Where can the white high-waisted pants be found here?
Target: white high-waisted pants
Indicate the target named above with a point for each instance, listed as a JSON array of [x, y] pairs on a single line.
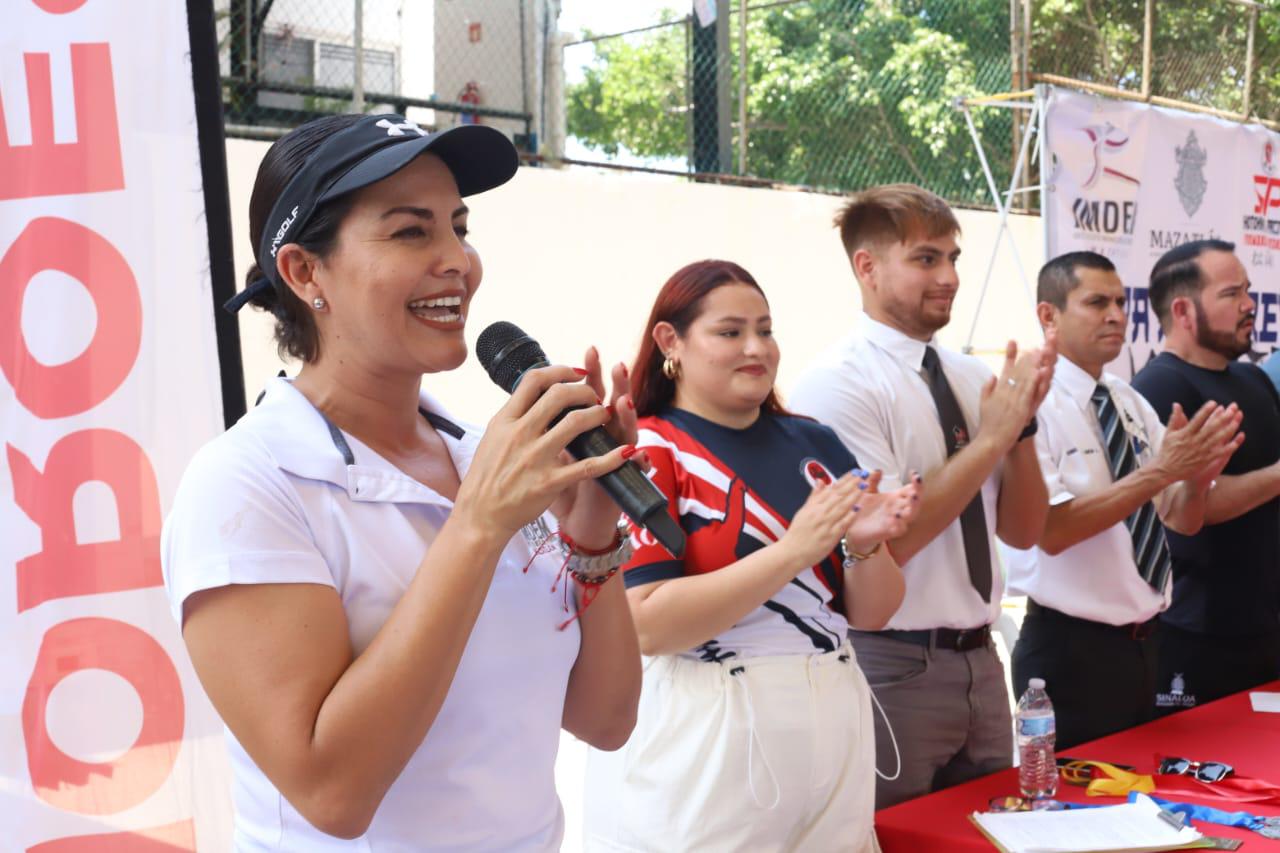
[[760, 754]]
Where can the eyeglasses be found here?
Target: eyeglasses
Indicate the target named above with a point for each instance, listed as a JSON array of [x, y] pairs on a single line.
[[1023, 804], [1206, 771]]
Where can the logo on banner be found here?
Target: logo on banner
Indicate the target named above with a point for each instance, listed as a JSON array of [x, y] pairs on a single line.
[[1190, 182], [815, 472], [1261, 230], [1191, 185], [1105, 217], [1107, 139]]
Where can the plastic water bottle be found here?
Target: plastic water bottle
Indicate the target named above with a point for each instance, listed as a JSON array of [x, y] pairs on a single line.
[[1034, 724]]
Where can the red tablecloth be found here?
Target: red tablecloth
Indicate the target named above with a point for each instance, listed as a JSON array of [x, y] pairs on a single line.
[[1228, 730]]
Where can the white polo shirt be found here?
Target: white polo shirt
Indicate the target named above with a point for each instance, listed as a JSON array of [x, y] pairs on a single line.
[[1096, 579], [273, 500], [870, 388]]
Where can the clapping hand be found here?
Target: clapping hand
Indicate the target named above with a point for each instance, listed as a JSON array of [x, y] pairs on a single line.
[[1010, 400], [1198, 449], [882, 515]]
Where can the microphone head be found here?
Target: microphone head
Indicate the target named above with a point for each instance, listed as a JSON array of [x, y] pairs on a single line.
[[506, 352]]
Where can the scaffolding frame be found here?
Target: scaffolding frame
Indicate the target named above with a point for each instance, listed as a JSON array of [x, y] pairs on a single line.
[[1032, 101]]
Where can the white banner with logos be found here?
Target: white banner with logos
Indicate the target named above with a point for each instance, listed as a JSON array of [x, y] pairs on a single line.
[[109, 382], [1131, 181]]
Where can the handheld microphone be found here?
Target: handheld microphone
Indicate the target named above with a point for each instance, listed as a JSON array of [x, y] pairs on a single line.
[[507, 353]]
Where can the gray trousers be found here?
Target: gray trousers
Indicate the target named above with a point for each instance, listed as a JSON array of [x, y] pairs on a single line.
[[949, 712]]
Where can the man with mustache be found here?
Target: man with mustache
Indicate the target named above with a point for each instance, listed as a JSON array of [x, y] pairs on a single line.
[[1221, 633], [1117, 478]]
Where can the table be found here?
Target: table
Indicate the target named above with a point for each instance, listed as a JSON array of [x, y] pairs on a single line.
[[1226, 730]]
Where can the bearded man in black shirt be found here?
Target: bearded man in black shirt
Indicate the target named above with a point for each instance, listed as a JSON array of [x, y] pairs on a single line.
[[1221, 634]]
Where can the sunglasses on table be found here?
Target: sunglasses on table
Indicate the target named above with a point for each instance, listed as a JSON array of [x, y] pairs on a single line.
[[1205, 771]]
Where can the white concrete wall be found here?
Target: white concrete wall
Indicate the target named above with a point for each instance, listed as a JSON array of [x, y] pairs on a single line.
[[576, 257]]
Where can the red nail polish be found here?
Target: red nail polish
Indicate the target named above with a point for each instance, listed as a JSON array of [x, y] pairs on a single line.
[[625, 372], [628, 451], [610, 410], [631, 405], [580, 371]]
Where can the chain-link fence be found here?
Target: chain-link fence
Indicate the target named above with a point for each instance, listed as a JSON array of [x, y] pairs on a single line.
[[830, 94], [441, 62], [844, 94], [1216, 57]]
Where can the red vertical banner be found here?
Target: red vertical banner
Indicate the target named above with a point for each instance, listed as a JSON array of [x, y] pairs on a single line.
[[114, 369]]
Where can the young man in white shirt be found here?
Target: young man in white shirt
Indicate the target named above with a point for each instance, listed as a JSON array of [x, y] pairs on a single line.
[[1116, 478], [905, 405]]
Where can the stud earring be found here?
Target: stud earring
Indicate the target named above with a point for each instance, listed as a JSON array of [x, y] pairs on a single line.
[[319, 304]]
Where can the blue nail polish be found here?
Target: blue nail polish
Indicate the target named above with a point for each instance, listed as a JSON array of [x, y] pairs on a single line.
[[857, 509], [862, 486]]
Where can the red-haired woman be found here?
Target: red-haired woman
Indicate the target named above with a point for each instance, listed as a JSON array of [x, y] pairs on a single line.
[[755, 728]]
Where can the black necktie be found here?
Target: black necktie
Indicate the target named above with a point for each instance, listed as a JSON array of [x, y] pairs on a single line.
[[973, 521], [1150, 549]]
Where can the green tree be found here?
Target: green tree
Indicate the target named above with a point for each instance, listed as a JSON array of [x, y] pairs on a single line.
[[841, 93], [633, 96], [844, 94]]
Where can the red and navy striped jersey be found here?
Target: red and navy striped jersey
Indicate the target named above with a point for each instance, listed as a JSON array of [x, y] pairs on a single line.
[[734, 492]]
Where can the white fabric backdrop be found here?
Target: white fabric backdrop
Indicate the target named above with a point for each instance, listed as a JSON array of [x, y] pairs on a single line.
[[109, 381], [1132, 181]]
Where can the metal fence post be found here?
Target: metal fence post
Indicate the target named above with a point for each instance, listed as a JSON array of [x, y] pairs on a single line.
[[1248, 63], [1148, 23], [724, 71], [742, 87], [357, 88]]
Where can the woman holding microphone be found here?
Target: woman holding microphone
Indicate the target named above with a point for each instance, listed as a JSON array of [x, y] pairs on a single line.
[[755, 728], [345, 562]]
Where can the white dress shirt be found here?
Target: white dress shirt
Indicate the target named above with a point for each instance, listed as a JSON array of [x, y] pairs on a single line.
[[870, 388], [1096, 579], [272, 500]]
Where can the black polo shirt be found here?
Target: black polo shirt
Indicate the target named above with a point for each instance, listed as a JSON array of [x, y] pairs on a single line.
[[1226, 578]]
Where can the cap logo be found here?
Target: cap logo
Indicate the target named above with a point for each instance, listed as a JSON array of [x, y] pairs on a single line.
[[399, 128], [284, 229]]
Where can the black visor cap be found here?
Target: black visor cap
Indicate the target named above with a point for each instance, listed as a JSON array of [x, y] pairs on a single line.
[[480, 158]]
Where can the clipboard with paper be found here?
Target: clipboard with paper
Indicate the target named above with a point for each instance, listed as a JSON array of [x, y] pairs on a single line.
[[1127, 828]]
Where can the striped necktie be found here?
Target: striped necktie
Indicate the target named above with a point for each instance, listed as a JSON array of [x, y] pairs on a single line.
[[1150, 549]]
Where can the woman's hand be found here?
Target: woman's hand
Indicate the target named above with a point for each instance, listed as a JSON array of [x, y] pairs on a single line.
[[586, 513], [520, 467], [825, 516], [881, 516]]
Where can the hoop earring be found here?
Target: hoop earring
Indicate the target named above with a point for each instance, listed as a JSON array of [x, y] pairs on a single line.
[[671, 369], [319, 304]]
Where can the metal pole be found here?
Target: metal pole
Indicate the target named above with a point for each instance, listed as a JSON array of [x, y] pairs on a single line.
[[1248, 62], [1148, 19], [742, 85], [248, 41], [1002, 207], [357, 88]]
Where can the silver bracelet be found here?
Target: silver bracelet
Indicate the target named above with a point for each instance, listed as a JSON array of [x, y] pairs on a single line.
[[587, 568], [852, 557], [597, 568]]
